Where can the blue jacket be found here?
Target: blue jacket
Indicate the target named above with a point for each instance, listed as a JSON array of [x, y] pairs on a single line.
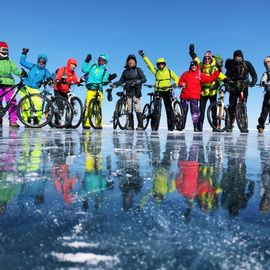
[[36, 72], [98, 75]]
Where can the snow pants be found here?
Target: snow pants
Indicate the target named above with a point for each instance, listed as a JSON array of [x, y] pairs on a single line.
[[195, 112], [12, 111]]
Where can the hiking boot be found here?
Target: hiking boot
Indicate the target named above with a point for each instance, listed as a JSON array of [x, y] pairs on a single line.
[[197, 130], [140, 122], [1, 124], [130, 128], [36, 122], [86, 127], [130, 122], [139, 128], [13, 124], [260, 130]]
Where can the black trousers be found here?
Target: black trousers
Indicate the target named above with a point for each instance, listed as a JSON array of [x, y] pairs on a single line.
[[203, 102], [234, 95], [166, 96], [265, 110]]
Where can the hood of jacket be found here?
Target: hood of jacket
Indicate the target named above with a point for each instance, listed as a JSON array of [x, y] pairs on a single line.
[[41, 55], [131, 56], [69, 62], [104, 56]]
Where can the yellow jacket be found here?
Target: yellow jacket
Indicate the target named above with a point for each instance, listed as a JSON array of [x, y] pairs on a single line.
[[164, 76], [210, 89]]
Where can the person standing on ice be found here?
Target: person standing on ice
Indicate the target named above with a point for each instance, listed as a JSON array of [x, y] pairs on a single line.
[[133, 78], [265, 82], [238, 70], [98, 76], [163, 79], [36, 75], [209, 90], [7, 67], [191, 82]]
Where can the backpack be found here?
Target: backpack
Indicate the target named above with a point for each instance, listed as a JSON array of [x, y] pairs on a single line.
[[219, 61]]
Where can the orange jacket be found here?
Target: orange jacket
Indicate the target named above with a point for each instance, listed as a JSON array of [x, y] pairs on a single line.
[[71, 77]]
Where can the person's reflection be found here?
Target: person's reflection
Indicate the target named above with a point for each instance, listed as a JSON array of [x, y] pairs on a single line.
[[61, 175], [235, 195], [8, 185], [128, 164], [163, 178], [94, 183], [264, 184], [195, 178]]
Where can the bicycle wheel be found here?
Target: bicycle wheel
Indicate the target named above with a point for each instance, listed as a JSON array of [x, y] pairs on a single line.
[[241, 116], [77, 107], [178, 115], [114, 121], [32, 113], [63, 112], [94, 114], [218, 116], [146, 116], [155, 114], [122, 118]]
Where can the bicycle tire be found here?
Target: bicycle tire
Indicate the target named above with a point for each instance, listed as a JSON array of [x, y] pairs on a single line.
[[122, 117], [146, 116], [114, 121], [155, 114], [94, 114], [222, 116], [62, 117], [241, 116], [42, 114], [78, 110], [178, 115]]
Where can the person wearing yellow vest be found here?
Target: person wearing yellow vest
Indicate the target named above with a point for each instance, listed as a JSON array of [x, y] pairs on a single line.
[[163, 79], [209, 90]]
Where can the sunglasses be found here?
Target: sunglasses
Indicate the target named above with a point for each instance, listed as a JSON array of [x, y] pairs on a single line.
[[207, 58], [102, 60], [42, 60], [194, 64], [3, 49]]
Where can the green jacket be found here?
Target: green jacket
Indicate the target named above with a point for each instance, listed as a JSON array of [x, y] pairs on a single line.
[[7, 67], [164, 76]]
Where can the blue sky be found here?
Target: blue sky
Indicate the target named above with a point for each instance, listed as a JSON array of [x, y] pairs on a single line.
[[63, 29]]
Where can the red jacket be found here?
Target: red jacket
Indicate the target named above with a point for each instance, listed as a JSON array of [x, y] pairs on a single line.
[[71, 77], [193, 80]]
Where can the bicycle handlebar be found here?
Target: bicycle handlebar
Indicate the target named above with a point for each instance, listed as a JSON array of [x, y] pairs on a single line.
[[171, 87]]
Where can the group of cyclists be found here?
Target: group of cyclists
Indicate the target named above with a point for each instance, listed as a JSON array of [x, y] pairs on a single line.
[[199, 84]]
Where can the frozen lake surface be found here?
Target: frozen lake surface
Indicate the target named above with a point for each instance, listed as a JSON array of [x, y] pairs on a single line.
[[72, 199]]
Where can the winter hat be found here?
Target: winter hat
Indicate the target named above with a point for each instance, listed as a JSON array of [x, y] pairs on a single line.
[[238, 53], [266, 59], [208, 54], [3, 45]]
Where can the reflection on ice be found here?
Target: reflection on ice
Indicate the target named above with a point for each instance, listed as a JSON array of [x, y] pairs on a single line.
[[134, 200]]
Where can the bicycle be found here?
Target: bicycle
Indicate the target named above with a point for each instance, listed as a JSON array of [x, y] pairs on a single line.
[[62, 109], [29, 112], [241, 109], [152, 110], [120, 115], [95, 112], [217, 113], [77, 108]]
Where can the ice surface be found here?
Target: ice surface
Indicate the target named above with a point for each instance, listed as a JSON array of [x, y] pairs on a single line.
[[134, 200]]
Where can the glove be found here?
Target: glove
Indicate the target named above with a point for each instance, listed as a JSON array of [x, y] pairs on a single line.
[[192, 53], [141, 53], [79, 84], [88, 58], [174, 85], [82, 80], [50, 81], [25, 51], [24, 74], [138, 82], [109, 96], [112, 76], [113, 85], [262, 84], [251, 84]]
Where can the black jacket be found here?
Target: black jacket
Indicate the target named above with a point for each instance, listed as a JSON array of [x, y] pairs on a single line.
[[129, 76], [240, 71]]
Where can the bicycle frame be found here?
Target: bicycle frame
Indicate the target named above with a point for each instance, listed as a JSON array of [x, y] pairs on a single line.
[[19, 86]]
